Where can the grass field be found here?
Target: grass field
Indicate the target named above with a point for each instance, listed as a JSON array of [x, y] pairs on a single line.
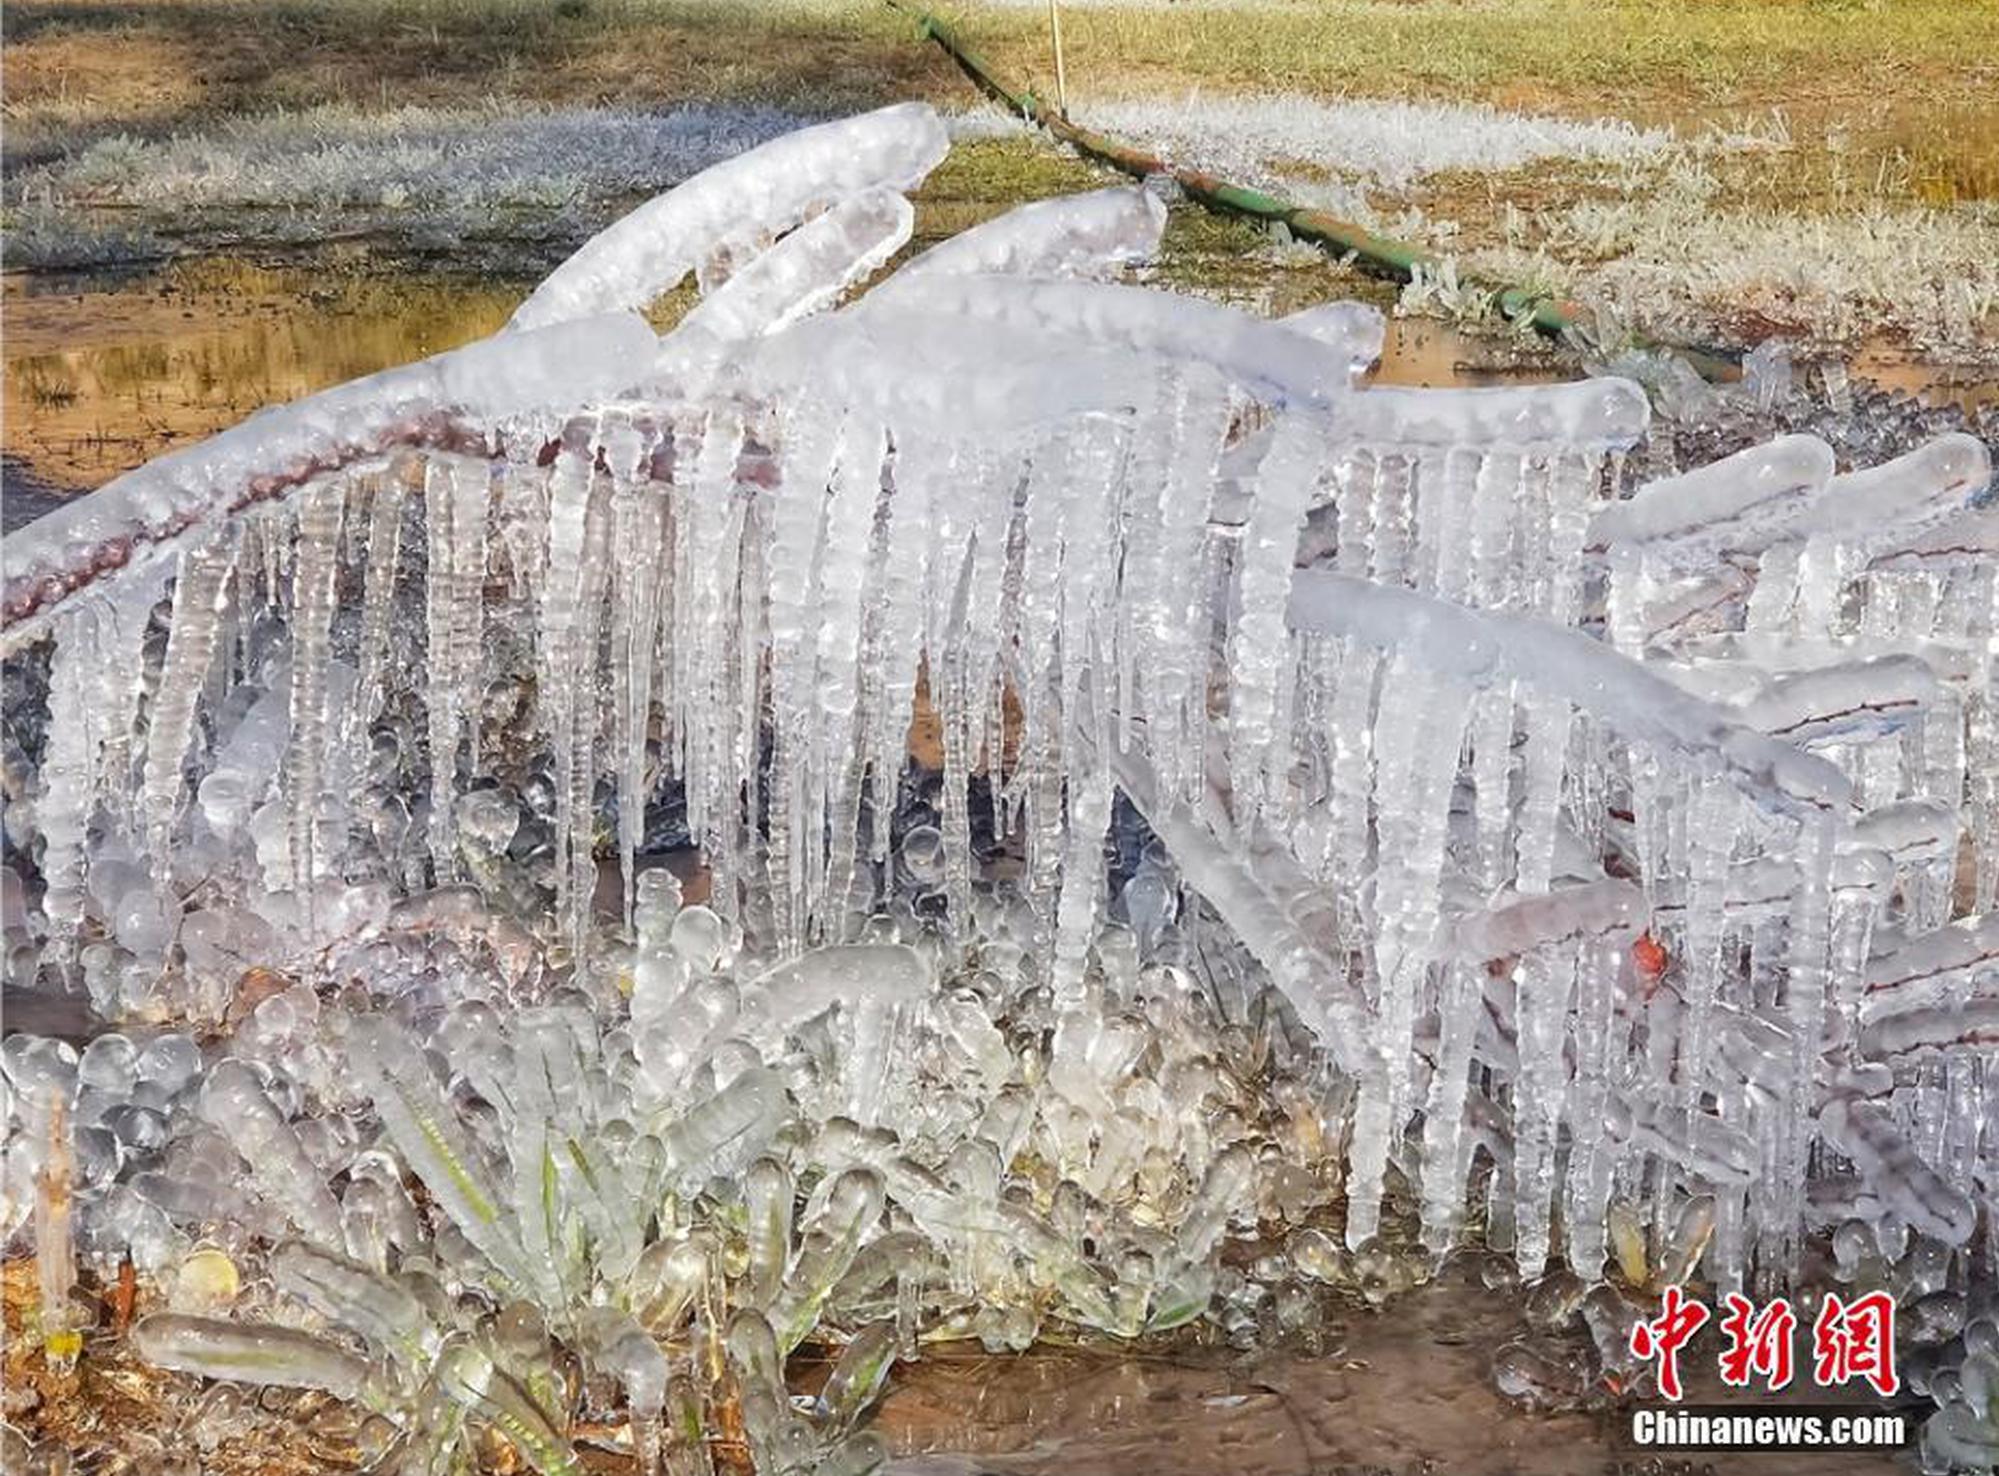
[[1875, 125], [150, 64]]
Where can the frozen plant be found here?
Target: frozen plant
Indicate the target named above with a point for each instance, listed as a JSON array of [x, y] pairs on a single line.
[[1371, 818]]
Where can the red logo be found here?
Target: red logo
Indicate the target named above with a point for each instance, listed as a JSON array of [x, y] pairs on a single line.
[[1759, 1342], [1856, 1340], [1850, 1340], [1664, 1336]]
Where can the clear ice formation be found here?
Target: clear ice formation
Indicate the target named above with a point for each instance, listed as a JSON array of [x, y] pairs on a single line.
[[1341, 808], [733, 211]]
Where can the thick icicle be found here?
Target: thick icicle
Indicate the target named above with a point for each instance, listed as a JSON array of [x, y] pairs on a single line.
[[199, 598], [315, 569]]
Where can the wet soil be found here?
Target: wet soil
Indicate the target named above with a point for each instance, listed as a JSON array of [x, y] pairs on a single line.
[[1398, 1391]]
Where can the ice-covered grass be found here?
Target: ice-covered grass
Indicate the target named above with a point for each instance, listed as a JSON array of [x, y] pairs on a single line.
[[165, 64], [40, 237], [462, 158], [418, 176], [1687, 266], [983, 120], [1393, 142]]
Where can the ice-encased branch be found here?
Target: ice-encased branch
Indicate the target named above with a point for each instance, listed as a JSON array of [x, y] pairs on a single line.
[[804, 272], [1260, 899], [1882, 508], [1276, 363], [921, 367], [1733, 505], [761, 193], [1090, 235], [449, 400], [1485, 647], [1593, 414]]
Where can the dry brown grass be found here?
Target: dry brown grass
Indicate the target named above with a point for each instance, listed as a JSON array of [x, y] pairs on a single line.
[[150, 65], [1865, 63]]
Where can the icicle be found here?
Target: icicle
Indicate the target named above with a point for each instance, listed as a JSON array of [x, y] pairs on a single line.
[[385, 529], [810, 439], [1492, 785], [199, 598], [836, 766], [1597, 1044], [314, 573], [585, 714], [457, 491], [64, 809], [1806, 992], [1712, 822], [968, 702], [1259, 754], [571, 615], [1545, 979], [471, 504], [1084, 739], [1544, 755], [638, 519], [123, 619], [1034, 587], [570, 482], [900, 617], [1417, 733], [1163, 590], [1444, 1166]]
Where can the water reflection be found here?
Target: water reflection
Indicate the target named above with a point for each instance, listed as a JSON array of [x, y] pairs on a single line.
[[101, 376]]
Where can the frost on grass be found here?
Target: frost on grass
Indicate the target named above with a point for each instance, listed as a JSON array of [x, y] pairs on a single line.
[[466, 159], [1654, 243], [45, 238], [1394, 143], [984, 120], [1670, 259]]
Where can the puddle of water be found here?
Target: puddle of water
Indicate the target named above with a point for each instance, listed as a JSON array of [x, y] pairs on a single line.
[[1965, 385], [102, 376], [1427, 354]]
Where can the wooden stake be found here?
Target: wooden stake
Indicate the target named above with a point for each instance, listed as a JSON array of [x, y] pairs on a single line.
[[1061, 80]]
